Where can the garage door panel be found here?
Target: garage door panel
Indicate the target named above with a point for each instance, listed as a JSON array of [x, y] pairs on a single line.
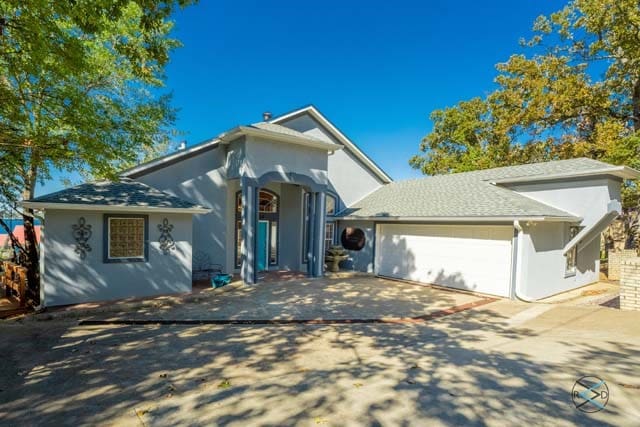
[[476, 258]]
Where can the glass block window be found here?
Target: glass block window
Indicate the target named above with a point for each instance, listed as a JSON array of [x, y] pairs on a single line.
[[126, 238]]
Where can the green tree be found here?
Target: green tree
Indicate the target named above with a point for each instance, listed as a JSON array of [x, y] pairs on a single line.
[[79, 86], [575, 93]]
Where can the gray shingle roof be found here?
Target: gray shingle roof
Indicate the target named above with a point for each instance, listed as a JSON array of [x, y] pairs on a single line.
[[110, 193], [468, 194]]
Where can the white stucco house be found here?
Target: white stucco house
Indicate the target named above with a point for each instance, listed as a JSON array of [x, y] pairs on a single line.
[[275, 194]]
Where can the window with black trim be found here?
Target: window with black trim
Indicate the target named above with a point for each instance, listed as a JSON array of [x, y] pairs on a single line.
[[332, 205], [329, 235], [331, 209], [126, 238], [572, 255]]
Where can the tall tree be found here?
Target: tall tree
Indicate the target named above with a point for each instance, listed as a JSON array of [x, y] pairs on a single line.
[[78, 92], [575, 93]]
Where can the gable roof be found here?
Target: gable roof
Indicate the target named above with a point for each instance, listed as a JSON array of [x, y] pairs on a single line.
[[121, 195], [170, 159], [475, 195], [269, 130], [350, 145], [279, 133]]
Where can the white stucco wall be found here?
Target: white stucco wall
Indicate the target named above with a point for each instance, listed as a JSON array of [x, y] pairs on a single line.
[[586, 198], [543, 266], [361, 260], [68, 279], [349, 178], [264, 156], [200, 179]]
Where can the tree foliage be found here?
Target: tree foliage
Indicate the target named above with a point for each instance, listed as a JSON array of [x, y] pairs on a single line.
[[80, 90], [575, 92]]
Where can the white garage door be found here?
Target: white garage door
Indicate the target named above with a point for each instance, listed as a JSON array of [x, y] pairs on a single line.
[[476, 258]]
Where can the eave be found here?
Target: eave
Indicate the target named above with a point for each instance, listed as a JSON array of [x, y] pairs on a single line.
[[239, 131], [623, 172]]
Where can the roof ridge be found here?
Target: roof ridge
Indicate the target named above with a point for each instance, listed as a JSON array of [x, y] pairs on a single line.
[[116, 193]]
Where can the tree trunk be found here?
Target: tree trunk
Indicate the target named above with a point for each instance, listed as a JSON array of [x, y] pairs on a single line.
[[15, 245], [32, 259]]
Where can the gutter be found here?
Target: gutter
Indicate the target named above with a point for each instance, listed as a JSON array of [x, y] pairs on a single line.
[[431, 219], [112, 208]]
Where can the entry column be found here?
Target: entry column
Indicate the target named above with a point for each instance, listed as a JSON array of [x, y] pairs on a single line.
[[249, 227], [310, 212]]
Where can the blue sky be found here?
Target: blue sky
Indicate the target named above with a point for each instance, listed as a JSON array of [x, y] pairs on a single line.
[[376, 69]]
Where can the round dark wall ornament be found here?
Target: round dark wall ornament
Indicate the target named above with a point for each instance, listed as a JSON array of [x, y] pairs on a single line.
[[353, 239]]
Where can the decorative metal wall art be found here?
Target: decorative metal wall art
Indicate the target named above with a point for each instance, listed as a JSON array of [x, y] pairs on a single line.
[[82, 234], [166, 239]]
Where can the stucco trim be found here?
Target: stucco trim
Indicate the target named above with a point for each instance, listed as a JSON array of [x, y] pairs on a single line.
[[587, 234], [111, 208], [286, 178]]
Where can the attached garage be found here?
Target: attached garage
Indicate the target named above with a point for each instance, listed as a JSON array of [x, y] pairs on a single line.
[[471, 257]]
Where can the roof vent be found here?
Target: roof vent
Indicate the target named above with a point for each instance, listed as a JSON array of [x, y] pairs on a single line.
[[266, 116]]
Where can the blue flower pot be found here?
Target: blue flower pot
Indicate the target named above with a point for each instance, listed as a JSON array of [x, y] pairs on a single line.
[[220, 279]]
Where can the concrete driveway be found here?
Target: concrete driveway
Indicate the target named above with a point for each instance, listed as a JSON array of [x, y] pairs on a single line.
[[499, 364], [353, 297]]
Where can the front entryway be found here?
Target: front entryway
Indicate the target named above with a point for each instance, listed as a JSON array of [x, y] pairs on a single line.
[[262, 245], [268, 228]]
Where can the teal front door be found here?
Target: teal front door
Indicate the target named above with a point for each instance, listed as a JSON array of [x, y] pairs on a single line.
[[262, 246]]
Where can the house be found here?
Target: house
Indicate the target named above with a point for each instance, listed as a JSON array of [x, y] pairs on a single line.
[[109, 240], [273, 195], [18, 233]]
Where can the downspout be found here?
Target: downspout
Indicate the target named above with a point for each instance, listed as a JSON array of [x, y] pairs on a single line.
[[516, 277]]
